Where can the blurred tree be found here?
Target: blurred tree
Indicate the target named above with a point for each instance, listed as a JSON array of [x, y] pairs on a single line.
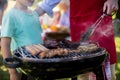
[[118, 13], [116, 22]]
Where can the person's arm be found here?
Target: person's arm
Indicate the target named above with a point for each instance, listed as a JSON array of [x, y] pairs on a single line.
[[5, 47], [46, 6], [6, 53], [110, 6], [7, 31]]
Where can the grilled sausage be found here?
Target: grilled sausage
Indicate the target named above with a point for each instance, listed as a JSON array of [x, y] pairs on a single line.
[[31, 50], [54, 52], [41, 47], [35, 49], [88, 47]]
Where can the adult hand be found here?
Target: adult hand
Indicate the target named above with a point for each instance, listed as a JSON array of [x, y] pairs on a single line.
[[110, 6]]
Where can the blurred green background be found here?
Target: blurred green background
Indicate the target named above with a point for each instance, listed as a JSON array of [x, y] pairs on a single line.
[[116, 22]]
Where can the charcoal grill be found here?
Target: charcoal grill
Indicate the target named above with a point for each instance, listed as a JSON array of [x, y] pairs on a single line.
[[58, 66]]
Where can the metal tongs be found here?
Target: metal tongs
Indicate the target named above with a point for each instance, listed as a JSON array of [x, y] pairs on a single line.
[[90, 30]]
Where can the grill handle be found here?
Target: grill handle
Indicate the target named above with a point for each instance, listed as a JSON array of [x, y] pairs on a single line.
[[12, 62]]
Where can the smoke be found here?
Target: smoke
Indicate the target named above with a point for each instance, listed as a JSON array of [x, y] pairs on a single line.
[[106, 31]]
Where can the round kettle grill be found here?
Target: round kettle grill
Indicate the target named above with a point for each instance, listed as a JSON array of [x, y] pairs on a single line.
[[57, 67]]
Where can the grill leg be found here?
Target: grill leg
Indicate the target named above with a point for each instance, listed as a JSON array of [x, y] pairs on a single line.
[[100, 73]]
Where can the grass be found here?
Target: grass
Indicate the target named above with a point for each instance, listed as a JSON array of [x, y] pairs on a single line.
[[116, 24], [117, 40]]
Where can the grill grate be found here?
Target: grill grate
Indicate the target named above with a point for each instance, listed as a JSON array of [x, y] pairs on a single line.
[[23, 53]]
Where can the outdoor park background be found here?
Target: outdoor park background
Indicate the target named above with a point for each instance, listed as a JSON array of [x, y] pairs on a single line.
[[3, 71]]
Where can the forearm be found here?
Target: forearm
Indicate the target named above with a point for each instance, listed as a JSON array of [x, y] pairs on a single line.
[[6, 53], [5, 48], [46, 6]]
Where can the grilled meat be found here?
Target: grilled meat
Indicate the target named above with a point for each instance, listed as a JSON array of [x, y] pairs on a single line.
[[88, 47], [65, 51], [43, 52], [35, 49], [54, 52]]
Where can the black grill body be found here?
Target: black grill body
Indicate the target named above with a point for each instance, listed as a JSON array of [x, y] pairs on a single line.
[[59, 66]]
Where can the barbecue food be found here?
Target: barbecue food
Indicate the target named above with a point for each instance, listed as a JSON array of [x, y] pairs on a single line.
[[66, 51], [60, 48], [54, 52], [88, 47], [35, 49]]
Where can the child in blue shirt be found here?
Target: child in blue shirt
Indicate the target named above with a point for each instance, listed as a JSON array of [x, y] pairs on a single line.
[[20, 27]]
